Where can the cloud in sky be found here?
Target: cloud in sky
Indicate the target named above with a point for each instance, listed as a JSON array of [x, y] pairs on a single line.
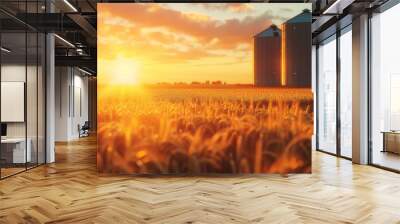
[[184, 33], [234, 7], [168, 27]]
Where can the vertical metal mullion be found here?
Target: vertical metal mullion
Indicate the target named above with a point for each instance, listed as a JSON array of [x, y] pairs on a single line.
[[316, 96], [26, 86], [60, 88], [45, 94], [73, 91], [338, 81], [45, 87], [37, 90], [69, 92], [369, 88]]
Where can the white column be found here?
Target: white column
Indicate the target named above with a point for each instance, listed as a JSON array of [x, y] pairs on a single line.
[[50, 92], [50, 99], [360, 89]]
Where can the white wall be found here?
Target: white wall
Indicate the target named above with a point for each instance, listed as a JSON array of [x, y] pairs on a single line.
[[33, 127], [81, 103], [12, 73], [62, 82], [71, 94]]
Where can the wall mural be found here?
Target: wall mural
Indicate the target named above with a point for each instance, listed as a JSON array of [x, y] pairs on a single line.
[[198, 88]]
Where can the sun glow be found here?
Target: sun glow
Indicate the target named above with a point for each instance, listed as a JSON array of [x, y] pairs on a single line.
[[123, 71], [283, 56]]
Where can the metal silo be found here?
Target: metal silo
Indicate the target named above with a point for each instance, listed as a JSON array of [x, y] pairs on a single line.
[[267, 57], [296, 51]]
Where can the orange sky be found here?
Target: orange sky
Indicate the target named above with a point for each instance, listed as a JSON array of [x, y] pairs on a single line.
[[152, 42]]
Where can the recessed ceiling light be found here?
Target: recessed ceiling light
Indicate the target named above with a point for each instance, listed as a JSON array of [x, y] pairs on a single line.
[[84, 71], [337, 7], [5, 50], [64, 40], [70, 5]]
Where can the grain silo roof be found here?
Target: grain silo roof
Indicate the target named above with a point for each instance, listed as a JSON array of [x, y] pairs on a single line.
[[269, 32], [304, 17]]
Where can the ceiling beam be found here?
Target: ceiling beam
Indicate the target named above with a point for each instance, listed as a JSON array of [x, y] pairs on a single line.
[[49, 22], [77, 61], [84, 24], [337, 6]]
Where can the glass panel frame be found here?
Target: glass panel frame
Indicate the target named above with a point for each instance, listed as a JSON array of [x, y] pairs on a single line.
[[25, 60], [13, 74], [384, 68], [327, 96], [339, 117], [345, 93]]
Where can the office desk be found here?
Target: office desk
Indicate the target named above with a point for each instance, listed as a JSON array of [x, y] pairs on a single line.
[[391, 141], [13, 150]]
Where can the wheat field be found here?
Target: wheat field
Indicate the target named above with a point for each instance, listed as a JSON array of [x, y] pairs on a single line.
[[204, 130]]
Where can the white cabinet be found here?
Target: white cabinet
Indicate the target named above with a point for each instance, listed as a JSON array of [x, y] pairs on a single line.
[[16, 147]]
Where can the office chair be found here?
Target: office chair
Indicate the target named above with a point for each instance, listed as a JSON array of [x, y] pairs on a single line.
[[84, 130]]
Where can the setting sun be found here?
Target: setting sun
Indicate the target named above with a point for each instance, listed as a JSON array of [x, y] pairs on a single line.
[[121, 71]]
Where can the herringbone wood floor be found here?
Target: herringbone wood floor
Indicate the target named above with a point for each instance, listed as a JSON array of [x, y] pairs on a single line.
[[71, 191]]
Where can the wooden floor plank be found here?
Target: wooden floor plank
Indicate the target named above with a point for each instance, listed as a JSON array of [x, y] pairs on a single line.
[[71, 191]]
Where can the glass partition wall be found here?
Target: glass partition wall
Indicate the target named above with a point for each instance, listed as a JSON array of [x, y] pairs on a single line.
[[326, 137], [13, 89], [334, 90], [385, 89], [345, 92], [334, 94], [22, 88]]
